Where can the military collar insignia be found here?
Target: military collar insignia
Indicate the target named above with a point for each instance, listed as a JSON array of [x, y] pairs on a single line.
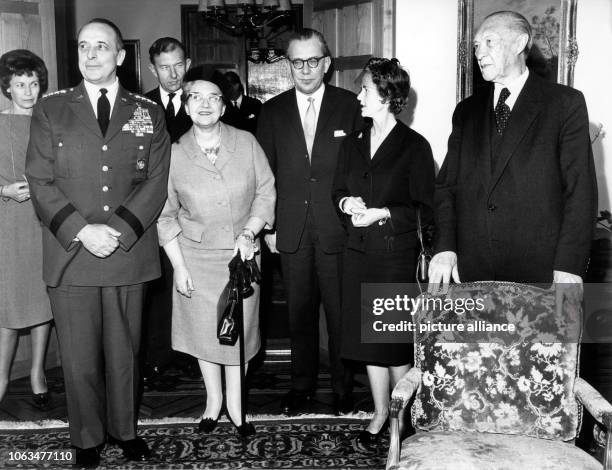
[[140, 123], [141, 98], [58, 92]]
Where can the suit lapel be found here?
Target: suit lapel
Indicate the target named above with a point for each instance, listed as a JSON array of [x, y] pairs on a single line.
[[295, 121], [122, 112], [482, 133], [363, 144], [227, 148], [524, 112], [388, 146], [194, 152], [81, 106], [155, 95], [328, 104], [293, 116]]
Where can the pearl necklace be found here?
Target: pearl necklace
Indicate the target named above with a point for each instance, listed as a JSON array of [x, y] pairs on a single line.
[[211, 152]]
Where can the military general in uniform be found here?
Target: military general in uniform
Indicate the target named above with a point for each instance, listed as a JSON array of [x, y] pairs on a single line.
[[97, 165]]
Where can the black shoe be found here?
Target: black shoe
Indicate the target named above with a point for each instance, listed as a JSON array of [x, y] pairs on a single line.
[[133, 449], [87, 458], [245, 429], [42, 401], [343, 404], [368, 439], [207, 425], [296, 401]]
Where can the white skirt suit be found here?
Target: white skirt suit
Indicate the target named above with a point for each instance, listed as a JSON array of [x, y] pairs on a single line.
[[207, 207]]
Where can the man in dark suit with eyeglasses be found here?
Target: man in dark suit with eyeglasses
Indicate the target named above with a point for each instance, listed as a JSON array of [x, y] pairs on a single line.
[[301, 131]]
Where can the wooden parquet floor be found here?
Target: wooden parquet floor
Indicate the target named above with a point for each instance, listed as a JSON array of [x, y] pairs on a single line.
[[180, 393]]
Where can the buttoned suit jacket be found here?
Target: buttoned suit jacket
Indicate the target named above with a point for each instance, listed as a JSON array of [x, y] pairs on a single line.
[[400, 176], [78, 176], [535, 211], [208, 205], [244, 117], [182, 121], [304, 184]]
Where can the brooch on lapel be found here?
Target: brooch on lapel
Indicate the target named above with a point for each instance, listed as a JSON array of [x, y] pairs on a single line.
[[140, 123], [140, 164]]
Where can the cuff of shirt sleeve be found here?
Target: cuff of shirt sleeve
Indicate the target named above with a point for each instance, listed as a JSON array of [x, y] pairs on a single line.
[[341, 204]]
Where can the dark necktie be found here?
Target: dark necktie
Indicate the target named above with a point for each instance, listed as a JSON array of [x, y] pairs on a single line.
[[103, 110], [235, 103], [170, 108], [502, 111]]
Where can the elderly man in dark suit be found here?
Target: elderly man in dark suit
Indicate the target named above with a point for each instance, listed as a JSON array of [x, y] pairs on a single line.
[[169, 62], [516, 196], [97, 165], [301, 130]]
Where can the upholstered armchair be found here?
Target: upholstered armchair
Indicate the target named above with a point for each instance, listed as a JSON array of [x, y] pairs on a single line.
[[511, 404]]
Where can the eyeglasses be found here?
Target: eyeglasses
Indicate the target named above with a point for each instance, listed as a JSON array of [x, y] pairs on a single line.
[[210, 99], [313, 62]]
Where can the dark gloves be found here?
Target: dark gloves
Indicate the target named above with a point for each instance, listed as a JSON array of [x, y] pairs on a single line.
[[244, 273]]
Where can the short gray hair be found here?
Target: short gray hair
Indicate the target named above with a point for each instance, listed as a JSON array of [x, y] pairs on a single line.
[[516, 22]]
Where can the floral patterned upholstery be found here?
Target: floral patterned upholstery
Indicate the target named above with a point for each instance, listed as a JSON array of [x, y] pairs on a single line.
[[444, 450], [498, 405], [513, 387]]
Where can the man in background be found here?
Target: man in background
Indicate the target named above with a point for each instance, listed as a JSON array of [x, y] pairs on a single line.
[[242, 111], [169, 64]]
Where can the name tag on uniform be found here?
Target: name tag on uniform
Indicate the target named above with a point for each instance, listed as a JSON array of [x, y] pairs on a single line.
[[140, 123]]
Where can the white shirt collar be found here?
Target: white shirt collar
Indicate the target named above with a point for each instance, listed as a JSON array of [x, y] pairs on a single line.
[[176, 100], [239, 101], [514, 88], [302, 101], [93, 92]]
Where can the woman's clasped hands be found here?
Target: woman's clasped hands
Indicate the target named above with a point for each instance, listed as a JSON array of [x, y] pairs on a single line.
[[361, 216]]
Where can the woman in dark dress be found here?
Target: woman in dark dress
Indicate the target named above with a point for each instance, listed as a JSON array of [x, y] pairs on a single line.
[[384, 173]]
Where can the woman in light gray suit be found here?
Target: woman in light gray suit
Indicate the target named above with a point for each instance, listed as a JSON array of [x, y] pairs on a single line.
[[220, 196]]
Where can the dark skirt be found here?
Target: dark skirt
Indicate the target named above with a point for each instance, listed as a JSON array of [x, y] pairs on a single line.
[[374, 267]]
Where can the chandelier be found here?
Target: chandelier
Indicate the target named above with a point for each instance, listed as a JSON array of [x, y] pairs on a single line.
[[251, 20]]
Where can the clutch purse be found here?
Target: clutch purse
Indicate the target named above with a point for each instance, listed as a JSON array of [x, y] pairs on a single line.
[[229, 308], [229, 312]]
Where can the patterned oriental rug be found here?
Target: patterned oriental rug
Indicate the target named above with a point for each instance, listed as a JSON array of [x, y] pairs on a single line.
[[295, 443]]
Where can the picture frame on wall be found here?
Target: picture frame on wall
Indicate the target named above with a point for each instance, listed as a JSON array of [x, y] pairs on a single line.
[[554, 52], [129, 73]]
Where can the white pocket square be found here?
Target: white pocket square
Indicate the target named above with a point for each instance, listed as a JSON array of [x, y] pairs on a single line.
[[251, 116], [339, 133]]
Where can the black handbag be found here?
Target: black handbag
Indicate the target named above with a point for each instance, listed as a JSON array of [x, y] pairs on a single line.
[[425, 253], [229, 308], [230, 313]]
